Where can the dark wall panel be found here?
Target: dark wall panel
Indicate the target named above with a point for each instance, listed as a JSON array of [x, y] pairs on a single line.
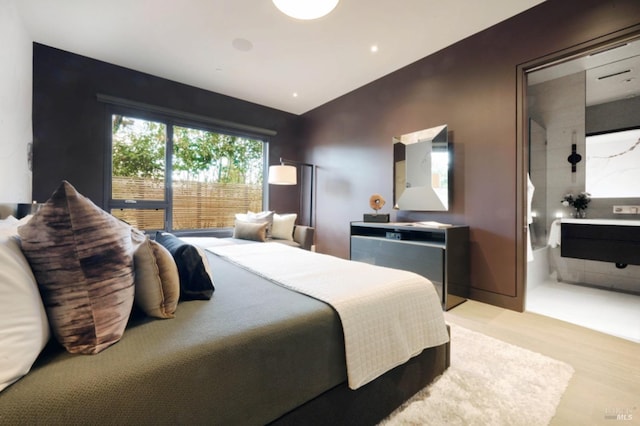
[[471, 86], [69, 123]]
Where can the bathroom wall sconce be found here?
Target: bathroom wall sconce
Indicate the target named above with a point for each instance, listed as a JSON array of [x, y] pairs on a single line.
[[574, 158]]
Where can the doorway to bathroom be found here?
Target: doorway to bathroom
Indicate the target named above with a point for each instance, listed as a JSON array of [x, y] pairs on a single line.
[[593, 92]]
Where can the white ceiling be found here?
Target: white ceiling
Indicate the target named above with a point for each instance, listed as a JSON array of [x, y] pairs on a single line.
[[249, 50]]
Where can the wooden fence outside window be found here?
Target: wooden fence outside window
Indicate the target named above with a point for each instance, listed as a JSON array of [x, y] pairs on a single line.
[[196, 205]]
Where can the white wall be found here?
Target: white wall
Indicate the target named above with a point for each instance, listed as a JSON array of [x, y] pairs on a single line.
[[15, 105]]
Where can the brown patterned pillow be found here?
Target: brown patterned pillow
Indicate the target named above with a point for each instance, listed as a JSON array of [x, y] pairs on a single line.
[[82, 259]]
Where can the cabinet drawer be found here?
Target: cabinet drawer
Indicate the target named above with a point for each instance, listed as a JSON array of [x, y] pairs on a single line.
[[605, 243], [423, 259]]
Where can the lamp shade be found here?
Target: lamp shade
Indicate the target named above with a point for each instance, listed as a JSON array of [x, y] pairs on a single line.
[[305, 9], [282, 175]]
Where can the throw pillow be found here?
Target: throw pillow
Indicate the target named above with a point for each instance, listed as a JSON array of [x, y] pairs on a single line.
[[24, 328], [250, 231], [283, 225], [8, 224], [260, 217], [82, 259], [157, 283], [195, 276]]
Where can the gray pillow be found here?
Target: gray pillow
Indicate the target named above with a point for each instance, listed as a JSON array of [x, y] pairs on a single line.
[[260, 217], [250, 231]]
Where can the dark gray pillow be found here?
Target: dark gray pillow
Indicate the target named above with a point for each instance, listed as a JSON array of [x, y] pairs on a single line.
[[195, 280]]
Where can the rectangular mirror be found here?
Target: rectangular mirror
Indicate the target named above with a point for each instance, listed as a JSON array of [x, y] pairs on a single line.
[[612, 164], [421, 170]]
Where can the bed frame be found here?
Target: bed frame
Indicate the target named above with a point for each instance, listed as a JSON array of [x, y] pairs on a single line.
[[373, 402], [164, 370]]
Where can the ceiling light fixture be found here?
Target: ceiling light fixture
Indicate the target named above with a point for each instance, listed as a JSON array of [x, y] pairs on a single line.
[[305, 9]]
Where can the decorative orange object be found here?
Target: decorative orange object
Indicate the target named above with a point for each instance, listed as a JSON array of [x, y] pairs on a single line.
[[376, 202]]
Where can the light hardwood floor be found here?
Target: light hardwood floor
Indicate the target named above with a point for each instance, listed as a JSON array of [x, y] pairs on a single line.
[[607, 369]]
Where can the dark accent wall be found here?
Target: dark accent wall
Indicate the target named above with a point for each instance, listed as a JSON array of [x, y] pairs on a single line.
[[69, 123], [472, 87]]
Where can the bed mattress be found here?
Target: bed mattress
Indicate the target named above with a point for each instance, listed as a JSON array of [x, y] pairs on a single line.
[[247, 356]]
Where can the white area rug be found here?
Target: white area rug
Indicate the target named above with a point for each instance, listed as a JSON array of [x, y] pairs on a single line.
[[490, 382]]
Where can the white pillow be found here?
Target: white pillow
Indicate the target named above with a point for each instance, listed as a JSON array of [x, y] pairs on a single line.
[[9, 220], [24, 328], [283, 224], [259, 217]]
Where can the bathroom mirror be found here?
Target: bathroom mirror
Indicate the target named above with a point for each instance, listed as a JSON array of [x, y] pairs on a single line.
[[613, 164], [421, 170]]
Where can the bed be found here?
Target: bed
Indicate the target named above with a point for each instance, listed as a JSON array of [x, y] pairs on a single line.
[[256, 353]]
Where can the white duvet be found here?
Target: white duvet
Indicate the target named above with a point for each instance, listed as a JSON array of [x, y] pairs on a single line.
[[388, 315]]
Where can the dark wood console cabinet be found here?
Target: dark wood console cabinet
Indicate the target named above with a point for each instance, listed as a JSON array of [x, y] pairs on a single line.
[[439, 254]]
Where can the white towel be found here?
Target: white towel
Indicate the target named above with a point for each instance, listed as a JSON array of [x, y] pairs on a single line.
[[554, 233], [530, 190]]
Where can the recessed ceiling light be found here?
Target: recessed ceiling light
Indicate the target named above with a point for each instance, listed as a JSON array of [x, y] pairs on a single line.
[[374, 48], [295, 95], [305, 9]]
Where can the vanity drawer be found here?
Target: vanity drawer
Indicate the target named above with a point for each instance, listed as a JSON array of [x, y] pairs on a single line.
[[606, 243]]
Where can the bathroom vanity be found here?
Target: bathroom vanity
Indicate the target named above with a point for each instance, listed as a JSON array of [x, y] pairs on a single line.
[[606, 240]]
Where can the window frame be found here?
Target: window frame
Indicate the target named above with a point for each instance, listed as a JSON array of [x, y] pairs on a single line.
[[171, 120]]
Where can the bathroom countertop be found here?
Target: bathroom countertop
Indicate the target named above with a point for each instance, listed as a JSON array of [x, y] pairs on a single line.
[[615, 222]]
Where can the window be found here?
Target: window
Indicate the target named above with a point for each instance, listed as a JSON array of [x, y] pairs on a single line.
[[176, 177]]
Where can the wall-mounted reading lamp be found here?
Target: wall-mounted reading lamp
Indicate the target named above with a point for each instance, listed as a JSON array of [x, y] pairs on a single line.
[[286, 173]]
